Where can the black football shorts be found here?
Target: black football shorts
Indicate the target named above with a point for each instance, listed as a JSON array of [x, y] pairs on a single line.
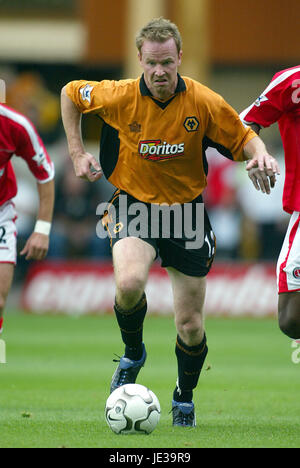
[[181, 235]]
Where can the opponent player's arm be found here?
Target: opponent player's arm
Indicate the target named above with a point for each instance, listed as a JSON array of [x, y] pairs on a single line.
[[262, 167], [85, 165], [255, 127], [46, 201], [37, 245], [265, 111], [260, 179]]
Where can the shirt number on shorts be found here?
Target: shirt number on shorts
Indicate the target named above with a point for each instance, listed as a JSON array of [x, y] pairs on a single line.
[[2, 235]]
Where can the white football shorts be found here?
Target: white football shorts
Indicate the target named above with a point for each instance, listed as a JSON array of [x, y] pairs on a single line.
[[288, 265], [8, 233]]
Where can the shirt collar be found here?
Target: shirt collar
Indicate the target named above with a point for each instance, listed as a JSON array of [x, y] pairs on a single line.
[[146, 92]]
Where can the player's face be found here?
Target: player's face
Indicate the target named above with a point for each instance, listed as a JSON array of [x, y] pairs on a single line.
[[160, 62]]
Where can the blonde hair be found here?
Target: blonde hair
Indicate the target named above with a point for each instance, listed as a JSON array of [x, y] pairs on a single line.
[[159, 30]]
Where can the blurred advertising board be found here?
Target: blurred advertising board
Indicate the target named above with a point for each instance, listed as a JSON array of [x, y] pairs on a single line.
[[233, 289]]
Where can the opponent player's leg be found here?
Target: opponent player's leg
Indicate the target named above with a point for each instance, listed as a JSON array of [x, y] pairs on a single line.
[[8, 252], [289, 314], [6, 277], [132, 258], [288, 273], [191, 348]]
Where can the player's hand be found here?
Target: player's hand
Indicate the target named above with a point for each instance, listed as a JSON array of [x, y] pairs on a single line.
[[264, 161], [36, 247], [262, 180], [262, 170], [86, 167]]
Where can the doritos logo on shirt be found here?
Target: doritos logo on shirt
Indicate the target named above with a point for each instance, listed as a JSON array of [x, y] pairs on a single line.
[[156, 150]]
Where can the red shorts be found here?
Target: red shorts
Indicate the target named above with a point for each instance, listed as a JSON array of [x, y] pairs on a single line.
[[288, 266]]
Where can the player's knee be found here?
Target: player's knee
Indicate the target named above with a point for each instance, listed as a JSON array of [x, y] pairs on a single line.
[[2, 303], [290, 326], [190, 329], [130, 288], [289, 316]]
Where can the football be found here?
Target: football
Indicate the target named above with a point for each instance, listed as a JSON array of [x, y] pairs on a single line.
[[132, 409]]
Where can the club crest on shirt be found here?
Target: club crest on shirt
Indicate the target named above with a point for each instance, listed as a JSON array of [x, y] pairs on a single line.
[[191, 124], [86, 93], [296, 273]]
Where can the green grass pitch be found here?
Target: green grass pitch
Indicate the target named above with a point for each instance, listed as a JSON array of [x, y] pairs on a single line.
[[55, 384]]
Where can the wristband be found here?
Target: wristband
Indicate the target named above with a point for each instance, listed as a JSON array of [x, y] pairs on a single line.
[[42, 227]]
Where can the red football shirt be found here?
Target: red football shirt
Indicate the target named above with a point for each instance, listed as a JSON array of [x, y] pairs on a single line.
[[280, 102], [19, 137]]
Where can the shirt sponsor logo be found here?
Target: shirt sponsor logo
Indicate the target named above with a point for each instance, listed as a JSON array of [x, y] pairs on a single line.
[[157, 150], [296, 273], [86, 93]]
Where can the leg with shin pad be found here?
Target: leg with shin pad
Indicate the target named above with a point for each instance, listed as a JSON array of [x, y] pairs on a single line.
[[131, 327], [190, 362]]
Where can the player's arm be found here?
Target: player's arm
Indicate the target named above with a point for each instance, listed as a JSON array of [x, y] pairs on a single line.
[[37, 245], [260, 178], [265, 111], [226, 130], [30, 147], [262, 167], [85, 165]]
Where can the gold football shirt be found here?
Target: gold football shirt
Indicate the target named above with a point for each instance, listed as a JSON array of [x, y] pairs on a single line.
[[155, 150]]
